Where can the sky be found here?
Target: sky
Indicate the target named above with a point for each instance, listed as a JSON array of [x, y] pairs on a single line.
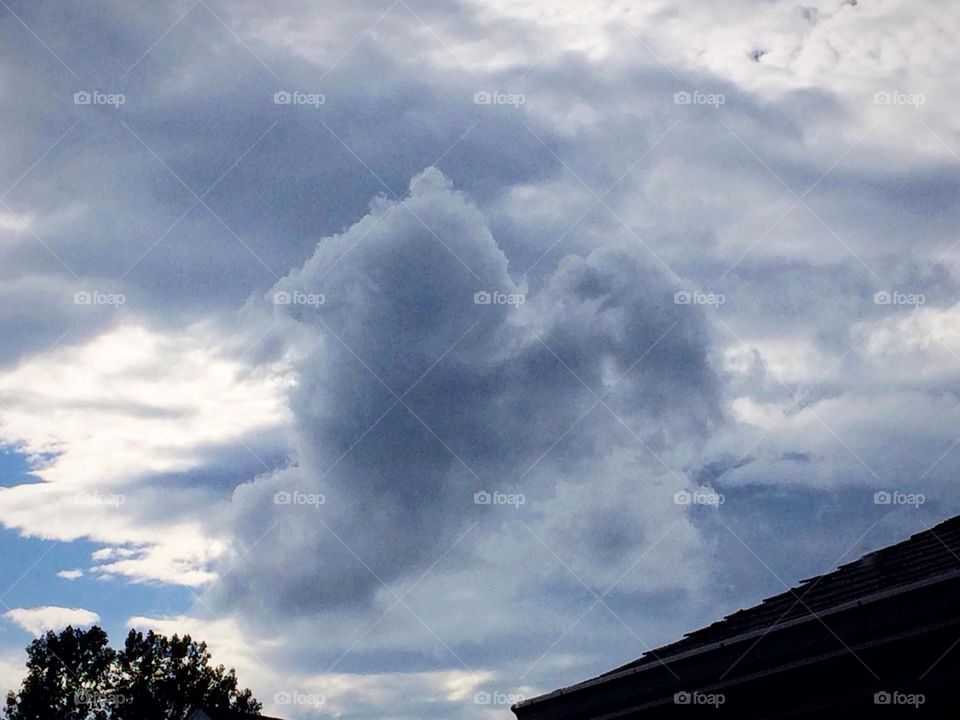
[[425, 356]]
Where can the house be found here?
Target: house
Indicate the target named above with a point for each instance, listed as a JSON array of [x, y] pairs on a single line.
[[210, 714], [878, 637]]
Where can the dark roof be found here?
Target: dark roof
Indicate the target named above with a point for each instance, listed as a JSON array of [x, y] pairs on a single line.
[[925, 558], [232, 715], [928, 554]]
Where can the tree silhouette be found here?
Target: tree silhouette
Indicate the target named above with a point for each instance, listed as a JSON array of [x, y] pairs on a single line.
[[62, 670], [76, 675]]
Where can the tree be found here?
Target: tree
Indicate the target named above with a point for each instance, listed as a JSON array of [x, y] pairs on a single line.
[[176, 671], [63, 672], [75, 675]]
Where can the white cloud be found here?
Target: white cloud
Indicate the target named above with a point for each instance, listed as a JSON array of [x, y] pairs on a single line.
[[50, 617], [12, 670], [258, 655], [787, 359], [100, 417], [70, 574], [344, 692], [13, 224], [228, 642], [922, 343], [134, 402], [183, 558]]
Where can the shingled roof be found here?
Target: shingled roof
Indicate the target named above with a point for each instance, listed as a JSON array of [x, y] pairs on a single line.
[[907, 590], [210, 714], [925, 557]]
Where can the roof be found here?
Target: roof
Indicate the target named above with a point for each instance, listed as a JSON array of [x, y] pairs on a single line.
[[926, 557], [228, 715], [927, 554]]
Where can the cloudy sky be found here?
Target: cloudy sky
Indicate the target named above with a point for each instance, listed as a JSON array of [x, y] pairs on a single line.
[[421, 353]]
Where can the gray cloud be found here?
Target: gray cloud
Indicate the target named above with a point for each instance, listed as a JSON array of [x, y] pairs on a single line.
[[484, 391]]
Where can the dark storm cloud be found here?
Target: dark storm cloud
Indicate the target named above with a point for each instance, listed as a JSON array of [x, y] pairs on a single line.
[[413, 397]]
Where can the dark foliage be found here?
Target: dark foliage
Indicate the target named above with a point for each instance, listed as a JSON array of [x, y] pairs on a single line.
[[76, 675]]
